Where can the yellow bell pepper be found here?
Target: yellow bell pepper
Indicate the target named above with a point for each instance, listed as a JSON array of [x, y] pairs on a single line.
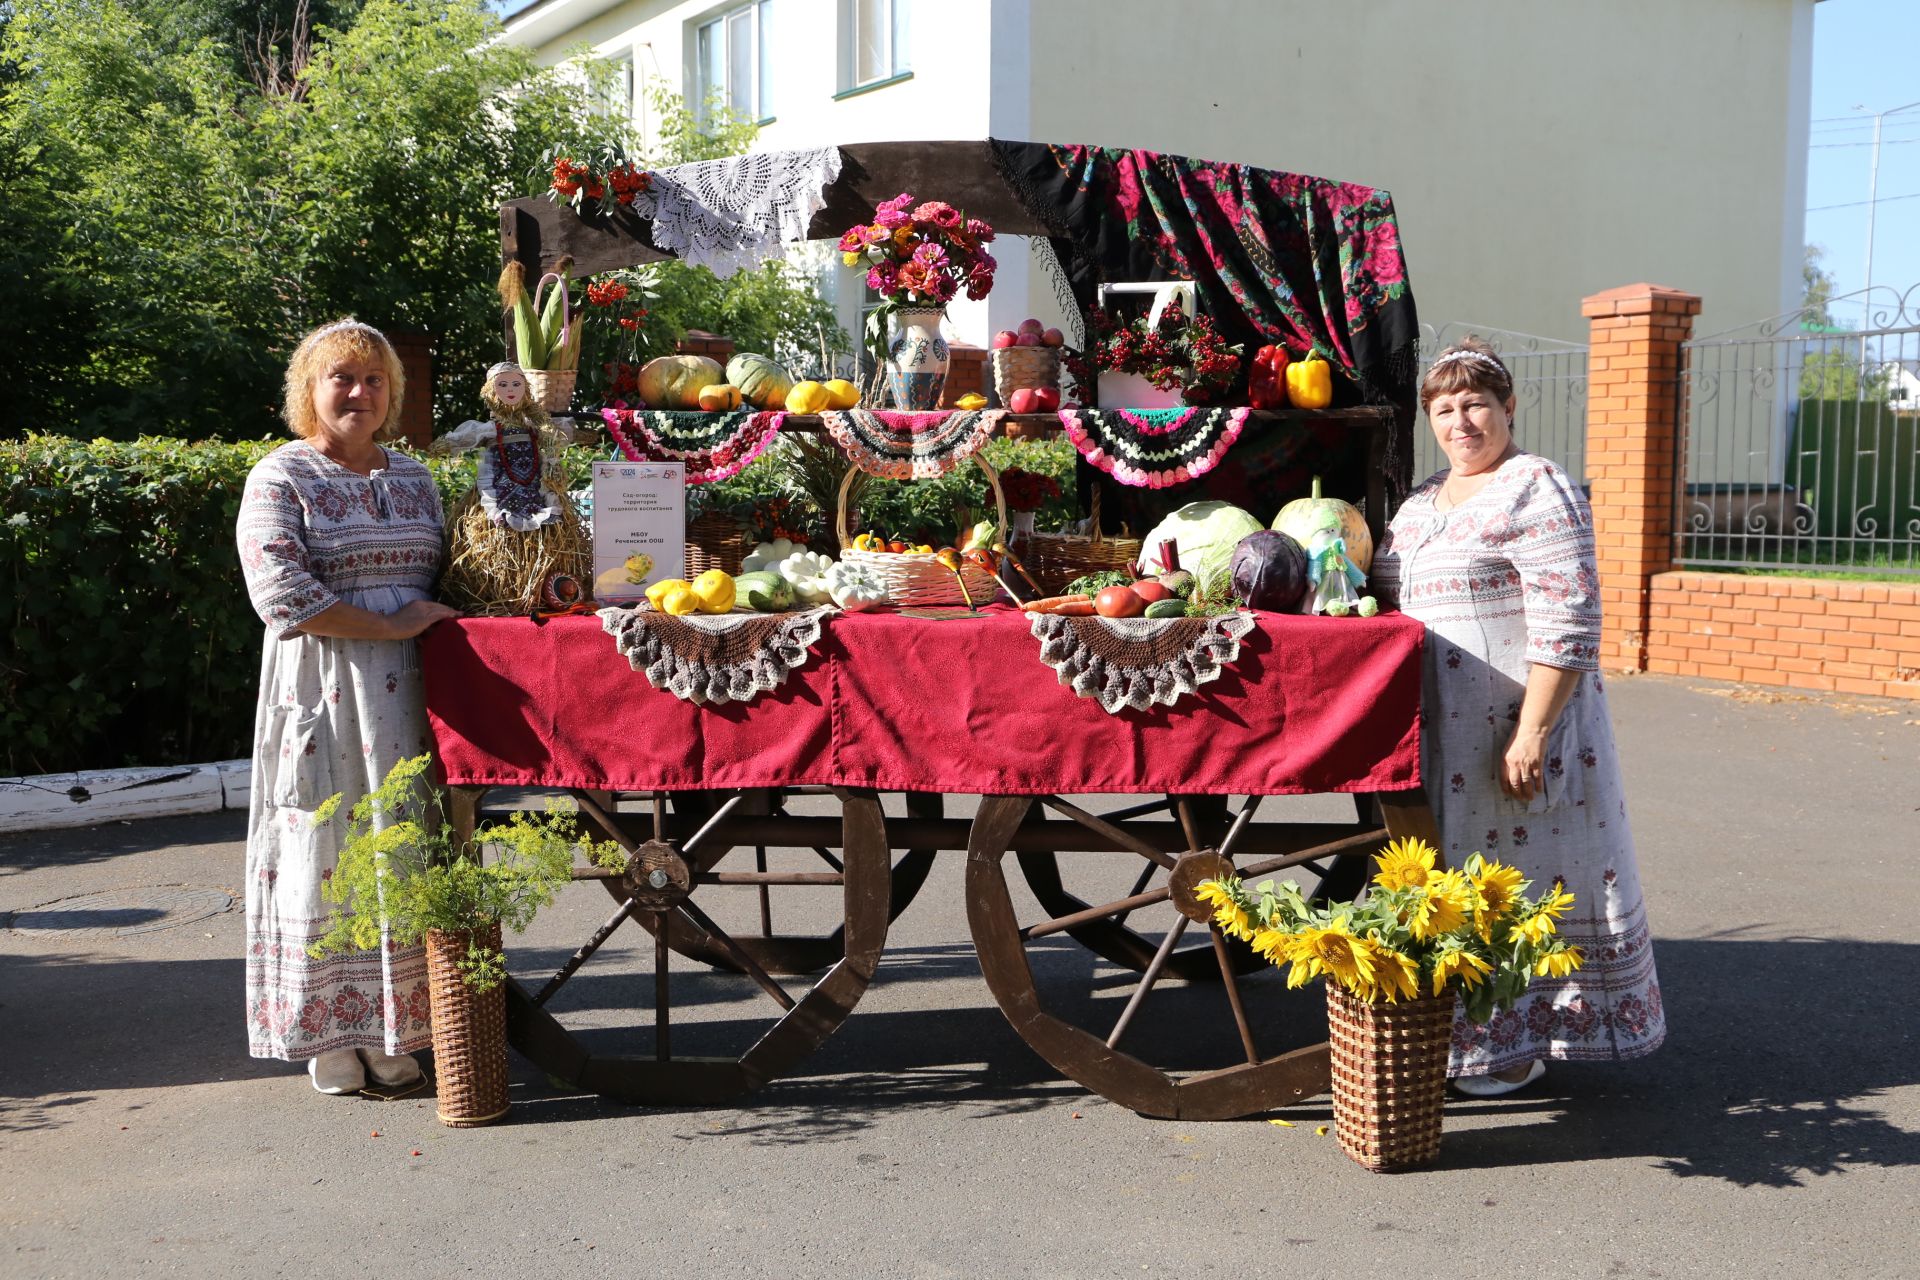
[[869, 542], [809, 397], [714, 591], [1310, 383], [658, 591]]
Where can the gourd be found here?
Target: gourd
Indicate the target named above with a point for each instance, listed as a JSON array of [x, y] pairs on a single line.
[[765, 591], [720, 397], [763, 381], [842, 394], [768, 555], [1301, 517], [1270, 571], [809, 397], [806, 572], [674, 382], [855, 587]]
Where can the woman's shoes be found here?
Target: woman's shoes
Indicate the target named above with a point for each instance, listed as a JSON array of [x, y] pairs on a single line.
[[337, 1071], [391, 1070], [1491, 1086]]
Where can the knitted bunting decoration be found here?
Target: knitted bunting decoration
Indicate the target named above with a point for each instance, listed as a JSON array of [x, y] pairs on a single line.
[[1153, 448], [910, 446], [715, 446]]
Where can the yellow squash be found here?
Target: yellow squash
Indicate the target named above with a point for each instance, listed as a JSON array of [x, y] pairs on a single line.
[[844, 395], [714, 591], [809, 397]]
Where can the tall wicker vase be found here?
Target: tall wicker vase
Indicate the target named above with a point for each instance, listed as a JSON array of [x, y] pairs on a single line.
[[1389, 1077], [469, 1032]]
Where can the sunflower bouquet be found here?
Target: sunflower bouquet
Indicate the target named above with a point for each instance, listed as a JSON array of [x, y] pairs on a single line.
[[1419, 930]]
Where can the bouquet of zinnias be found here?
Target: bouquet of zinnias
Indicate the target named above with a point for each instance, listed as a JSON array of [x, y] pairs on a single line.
[[921, 255], [1418, 931]]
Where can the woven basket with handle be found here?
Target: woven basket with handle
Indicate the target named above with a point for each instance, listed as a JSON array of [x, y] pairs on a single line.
[[1389, 1077], [469, 1032], [915, 579], [1056, 559], [553, 388], [1017, 367], [716, 541]]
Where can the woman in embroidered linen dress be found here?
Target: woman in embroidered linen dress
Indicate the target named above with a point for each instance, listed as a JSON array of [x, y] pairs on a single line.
[[340, 542], [1495, 555]]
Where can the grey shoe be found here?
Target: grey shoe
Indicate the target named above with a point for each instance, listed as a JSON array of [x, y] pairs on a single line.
[[1490, 1086], [337, 1071], [391, 1070]]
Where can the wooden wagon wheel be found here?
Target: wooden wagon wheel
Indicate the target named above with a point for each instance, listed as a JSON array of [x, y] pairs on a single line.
[[1083, 1038], [659, 886], [782, 954]]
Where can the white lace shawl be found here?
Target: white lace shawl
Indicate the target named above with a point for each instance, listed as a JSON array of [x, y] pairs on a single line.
[[734, 213]]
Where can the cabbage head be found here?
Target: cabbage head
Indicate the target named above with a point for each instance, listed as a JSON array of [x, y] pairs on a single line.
[[1206, 534]]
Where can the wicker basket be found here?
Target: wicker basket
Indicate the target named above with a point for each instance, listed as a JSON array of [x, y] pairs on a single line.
[[1389, 1077], [716, 541], [915, 579], [1056, 559], [553, 388], [1017, 367], [469, 1033]]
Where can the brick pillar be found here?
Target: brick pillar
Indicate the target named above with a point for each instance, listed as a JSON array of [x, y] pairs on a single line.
[[966, 372], [699, 342], [1634, 431], [416, 407]]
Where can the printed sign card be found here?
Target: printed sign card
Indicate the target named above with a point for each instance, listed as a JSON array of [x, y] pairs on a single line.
[[639, 527]]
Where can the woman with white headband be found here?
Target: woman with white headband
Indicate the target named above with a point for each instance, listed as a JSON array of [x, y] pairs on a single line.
[[340, 542], [1495, 555]]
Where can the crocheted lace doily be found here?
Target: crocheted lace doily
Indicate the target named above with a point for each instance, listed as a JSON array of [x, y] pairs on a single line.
[[1139, 662], [728, 657], [733, 213]]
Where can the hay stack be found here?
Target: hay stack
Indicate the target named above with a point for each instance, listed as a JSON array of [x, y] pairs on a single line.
[[494, 571]]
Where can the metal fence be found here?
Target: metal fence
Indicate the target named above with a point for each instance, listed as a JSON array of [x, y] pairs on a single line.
[[1802, 447], [1549, 390]]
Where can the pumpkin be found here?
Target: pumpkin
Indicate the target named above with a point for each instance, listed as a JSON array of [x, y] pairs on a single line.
[[1270, 571], [844, 394], [674, 382], [720, 397], [808, 397], [1301, 517], [763, 381]]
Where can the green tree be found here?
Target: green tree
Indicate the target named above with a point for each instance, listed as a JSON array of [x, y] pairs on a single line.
[[1817, 289]]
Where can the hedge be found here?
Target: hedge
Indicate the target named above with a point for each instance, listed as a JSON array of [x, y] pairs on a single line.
[[131, 640]]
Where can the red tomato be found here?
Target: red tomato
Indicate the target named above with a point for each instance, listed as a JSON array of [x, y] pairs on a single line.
[[896, 546], [1119, 602], [1151, 592]]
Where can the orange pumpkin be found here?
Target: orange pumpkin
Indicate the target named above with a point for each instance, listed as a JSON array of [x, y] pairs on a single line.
[[720, 397]]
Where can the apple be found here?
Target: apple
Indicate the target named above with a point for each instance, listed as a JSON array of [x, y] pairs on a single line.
[[1030, 325], [1053, 338], [1024, 400], [1026, 338], [1004, 339], [1046, 399]]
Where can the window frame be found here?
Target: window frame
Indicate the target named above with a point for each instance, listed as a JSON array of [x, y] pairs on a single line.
[[897, 16], [718, 24]]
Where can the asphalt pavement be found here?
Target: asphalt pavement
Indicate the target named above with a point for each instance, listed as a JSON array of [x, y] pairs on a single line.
[[1777, 1132]]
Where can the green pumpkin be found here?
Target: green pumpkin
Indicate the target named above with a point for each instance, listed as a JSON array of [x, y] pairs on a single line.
[[675, 382], [763, 381]]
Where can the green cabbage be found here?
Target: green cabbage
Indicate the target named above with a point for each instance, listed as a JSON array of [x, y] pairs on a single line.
[[1206, 534]]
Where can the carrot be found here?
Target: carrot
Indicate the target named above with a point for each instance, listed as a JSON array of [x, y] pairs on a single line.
[[1052, 604], [1082, 608]]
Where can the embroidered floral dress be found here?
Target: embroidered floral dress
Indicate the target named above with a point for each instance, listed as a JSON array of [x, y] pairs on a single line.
[[333, 715], [1504, 580]]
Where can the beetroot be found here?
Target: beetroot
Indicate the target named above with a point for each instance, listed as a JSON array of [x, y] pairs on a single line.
[[1269, 571]]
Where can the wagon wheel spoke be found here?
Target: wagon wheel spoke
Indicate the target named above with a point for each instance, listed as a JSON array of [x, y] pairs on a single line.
[[1139, 887], [662, 999], [1147, 979], [585, 953], [1073, 920], [766, 895], [826, 856], [736, 953], [1119, 835], [1233, 992]]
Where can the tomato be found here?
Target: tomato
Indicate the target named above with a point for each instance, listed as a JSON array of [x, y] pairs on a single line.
[[1151, 592], [1119, 602], [896, 546]]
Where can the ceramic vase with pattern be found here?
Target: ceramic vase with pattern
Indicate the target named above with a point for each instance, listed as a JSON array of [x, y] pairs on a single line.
[[917, 359]]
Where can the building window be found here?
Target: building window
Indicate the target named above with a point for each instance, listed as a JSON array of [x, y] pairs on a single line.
[[617, 93], [733, 61], [876, 41]]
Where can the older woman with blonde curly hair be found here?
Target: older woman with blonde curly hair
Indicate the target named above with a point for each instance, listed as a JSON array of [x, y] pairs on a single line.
[[340, 543]]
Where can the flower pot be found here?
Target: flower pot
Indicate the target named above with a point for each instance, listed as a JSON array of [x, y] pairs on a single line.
[[469, 1032], [1131, 391], [1020, 524], [1389, 1077], [917, 359]]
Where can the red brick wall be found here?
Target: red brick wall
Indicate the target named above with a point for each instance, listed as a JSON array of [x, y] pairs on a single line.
[[1832, 635]]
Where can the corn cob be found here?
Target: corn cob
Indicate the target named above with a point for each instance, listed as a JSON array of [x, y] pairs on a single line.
[[554, 325], [532, 353]]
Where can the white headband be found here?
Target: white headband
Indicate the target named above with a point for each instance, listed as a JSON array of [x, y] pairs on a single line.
[[1466, 354], [339, 326], [503, 367]]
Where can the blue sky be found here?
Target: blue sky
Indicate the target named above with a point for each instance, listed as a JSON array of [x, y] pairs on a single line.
[[1866, 53]]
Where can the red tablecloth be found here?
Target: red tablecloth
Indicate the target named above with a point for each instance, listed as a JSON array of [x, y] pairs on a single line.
[[904, 704]]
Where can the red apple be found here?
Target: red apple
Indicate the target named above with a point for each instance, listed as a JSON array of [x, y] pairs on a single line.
[[1026, 338], [1053, 338], [1024, 400], [1030, 325], [1046, 399], [1004, 339]]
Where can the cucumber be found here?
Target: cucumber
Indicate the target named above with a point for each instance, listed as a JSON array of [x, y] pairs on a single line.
[[1167, 609], [766, 592]]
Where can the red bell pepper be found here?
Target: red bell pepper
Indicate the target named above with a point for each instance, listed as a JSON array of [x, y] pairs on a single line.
[[1267, 378]]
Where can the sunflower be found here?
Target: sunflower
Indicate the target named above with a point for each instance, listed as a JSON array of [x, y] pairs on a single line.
[[1335, 951], [1273, 946], [1536, 928], [1396, 975], [1558, 964], [1556, 901], [1470, 968], [1405, 864], [1444, 902], [1228, 913], [1495, 886]]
